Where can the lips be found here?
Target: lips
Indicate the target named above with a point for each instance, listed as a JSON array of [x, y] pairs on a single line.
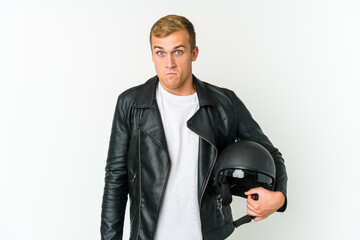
[[170, 74]]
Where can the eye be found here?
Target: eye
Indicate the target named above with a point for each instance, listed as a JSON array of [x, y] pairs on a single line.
[[160, 53], [178, 52]]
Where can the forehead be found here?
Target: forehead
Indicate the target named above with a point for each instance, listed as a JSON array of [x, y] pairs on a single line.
[[172, 40]]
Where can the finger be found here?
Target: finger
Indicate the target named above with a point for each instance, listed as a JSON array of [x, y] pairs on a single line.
[[252, 213], [252, 191], [252, 197], [255, 204], [250, 207], [256, 219], [249, 197]]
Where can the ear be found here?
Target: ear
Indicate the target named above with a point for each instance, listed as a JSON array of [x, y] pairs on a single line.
[[195, 53]]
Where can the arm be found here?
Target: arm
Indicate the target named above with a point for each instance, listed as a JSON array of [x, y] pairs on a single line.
[[270, 201], [116, 185]]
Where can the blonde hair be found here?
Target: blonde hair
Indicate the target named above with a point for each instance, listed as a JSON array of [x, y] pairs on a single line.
[[173, 23]]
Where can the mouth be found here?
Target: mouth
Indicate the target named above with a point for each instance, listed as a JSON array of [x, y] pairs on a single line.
[[170, 74]]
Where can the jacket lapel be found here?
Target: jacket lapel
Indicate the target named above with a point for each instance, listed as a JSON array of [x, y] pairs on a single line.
[[150, 121], [151, 124]]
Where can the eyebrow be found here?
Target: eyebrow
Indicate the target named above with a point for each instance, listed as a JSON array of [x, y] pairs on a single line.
[[176, 47], [179, 46]]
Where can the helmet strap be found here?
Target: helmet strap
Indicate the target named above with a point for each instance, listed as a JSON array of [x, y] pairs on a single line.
[[243, 220], [246, 218], [226, 194], [227, 199]]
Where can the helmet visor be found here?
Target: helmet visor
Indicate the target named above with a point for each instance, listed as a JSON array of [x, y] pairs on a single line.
[[233, 176]]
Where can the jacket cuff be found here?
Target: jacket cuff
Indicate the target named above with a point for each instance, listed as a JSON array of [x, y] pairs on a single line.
[[283, 208]]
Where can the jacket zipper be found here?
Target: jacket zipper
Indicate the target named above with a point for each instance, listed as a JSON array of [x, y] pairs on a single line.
[[207, 180], [138, 233]]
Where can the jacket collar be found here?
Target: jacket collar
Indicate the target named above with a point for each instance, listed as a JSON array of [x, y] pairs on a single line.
[[147, 96]]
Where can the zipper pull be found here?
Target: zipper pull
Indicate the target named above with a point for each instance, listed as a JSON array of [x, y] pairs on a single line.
[[219, 206], [133, 179]]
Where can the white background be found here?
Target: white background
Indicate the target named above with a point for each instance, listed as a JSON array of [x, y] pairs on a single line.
[[295, 64]]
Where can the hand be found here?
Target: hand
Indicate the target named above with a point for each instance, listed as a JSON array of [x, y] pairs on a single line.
[[267, 204]]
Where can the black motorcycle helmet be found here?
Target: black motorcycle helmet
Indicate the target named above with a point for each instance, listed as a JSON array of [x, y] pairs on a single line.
[[241, 166]]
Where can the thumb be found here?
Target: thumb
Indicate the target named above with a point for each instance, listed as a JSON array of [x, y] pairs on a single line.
[[252, 191]]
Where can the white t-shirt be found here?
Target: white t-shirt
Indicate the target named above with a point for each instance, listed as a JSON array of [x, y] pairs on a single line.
[[179, 217]]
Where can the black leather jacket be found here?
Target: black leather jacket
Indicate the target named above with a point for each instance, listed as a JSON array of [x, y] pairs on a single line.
[[138, 162]]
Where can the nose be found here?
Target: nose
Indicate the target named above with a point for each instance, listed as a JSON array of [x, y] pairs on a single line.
[[170, 63]]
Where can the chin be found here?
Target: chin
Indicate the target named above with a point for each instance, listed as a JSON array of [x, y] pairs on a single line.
[[171, 81]]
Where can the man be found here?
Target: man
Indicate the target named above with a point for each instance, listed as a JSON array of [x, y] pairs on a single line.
[[165, 139]]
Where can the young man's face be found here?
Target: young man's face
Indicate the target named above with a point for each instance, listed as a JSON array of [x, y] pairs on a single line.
[[173, 57]]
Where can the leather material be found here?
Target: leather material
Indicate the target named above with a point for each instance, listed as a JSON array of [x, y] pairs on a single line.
[[138, 162]]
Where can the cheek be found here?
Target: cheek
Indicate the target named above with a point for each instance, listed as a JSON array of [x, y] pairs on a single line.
[[158, 63], [186, 65], [184, 62]]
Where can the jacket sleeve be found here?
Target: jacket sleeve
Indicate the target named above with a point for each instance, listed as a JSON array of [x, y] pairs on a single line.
[[116, 185], [248, 129]]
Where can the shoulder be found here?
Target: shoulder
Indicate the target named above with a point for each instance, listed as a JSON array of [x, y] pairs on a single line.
[[134, 91], [221, 95], [138, 93], [219, 90]]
